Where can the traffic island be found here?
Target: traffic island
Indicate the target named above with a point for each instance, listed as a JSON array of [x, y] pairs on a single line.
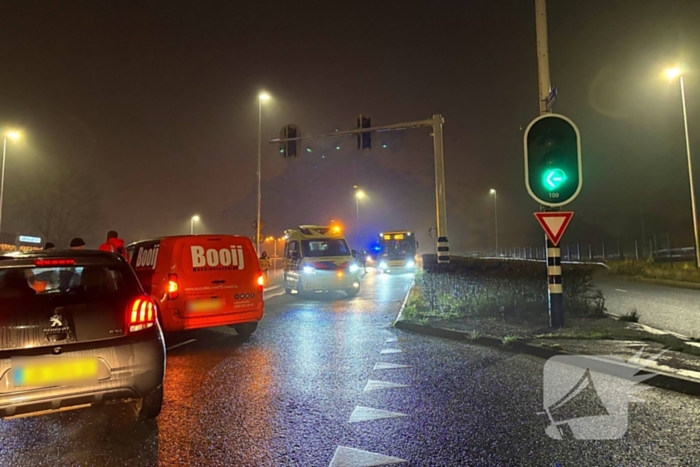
[[479, 302]]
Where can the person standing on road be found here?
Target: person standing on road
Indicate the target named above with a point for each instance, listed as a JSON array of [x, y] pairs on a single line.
[[362, 258], [115, 244], [265, 263], [77, 244]]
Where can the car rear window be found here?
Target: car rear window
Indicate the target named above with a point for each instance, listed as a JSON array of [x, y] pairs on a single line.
[[72, 284]]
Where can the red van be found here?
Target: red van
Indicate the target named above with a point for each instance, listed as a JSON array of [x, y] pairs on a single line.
[[202, 281]]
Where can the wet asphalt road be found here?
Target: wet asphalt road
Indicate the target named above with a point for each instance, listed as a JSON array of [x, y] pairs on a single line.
[[669, 308], [286, 398]]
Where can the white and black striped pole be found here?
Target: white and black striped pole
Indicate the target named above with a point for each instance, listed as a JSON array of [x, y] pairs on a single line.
[[443, 246], [555, 290]]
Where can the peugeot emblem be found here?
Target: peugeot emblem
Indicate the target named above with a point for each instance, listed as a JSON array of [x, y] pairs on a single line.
[[56, 321]]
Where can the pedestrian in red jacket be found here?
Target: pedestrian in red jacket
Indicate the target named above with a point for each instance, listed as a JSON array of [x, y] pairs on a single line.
[[115, 245]]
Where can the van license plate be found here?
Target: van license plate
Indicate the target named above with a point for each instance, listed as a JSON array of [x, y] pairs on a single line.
[[53, 371], [210, 304]]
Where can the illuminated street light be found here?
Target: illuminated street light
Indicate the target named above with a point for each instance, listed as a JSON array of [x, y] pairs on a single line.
[[671, 74], [495, 215], [194, 219], [262, 97], [14, 136]]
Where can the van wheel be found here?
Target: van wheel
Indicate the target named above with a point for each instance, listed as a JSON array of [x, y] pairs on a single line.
[[246, 329], [352, 292], [149, 407], [300, 288]]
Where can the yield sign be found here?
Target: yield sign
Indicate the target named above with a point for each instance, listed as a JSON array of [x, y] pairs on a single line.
[[554, 223]]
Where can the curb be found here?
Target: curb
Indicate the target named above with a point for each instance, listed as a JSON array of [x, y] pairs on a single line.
[[666, 282], [659, 379], [405, 300]]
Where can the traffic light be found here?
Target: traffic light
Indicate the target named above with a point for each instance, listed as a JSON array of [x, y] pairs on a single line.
[[289, 149], [364, 140], [552, 146]]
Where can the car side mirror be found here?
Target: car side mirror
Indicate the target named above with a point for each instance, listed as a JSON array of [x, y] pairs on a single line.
[[354, 253]]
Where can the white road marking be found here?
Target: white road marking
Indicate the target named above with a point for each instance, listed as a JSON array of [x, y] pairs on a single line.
[[373, 385], [391, 339], [365, 414], [620, 290], [388, 351], [389, 366], [180, 344], [351, 457]]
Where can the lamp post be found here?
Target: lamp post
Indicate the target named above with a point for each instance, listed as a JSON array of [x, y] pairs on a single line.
[[262, 97], [13, 135], [495, 215], [359, 194], [192, 221], [672, 74]]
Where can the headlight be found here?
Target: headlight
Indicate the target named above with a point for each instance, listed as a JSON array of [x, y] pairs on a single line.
[[410, 264], [383, 265], [309, 270], [354, 268]]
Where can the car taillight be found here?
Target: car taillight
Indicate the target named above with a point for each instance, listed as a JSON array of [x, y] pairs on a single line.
[[44, 263], [261, 281], [173, 287], [141, 314]]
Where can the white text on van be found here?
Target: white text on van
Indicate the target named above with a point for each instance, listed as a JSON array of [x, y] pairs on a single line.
[[212, 258]]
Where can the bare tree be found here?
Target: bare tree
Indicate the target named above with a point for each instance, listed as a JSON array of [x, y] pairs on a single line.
[[61, 203]]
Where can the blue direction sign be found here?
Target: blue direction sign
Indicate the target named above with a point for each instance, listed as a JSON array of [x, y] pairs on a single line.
[[551, 98]]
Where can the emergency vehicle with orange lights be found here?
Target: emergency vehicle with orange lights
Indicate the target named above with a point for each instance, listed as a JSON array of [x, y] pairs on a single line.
[[317, 258]]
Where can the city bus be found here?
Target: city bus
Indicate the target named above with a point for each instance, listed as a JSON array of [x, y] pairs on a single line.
[[397, 251]]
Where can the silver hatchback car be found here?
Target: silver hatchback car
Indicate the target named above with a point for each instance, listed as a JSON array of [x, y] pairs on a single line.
[[76, 329]]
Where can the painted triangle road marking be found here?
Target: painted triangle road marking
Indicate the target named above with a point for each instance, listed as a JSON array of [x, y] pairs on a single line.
[[373, 385], [364, 414], [391, 339], [389, 366], [554, 223], [388, 351], [351, 457]]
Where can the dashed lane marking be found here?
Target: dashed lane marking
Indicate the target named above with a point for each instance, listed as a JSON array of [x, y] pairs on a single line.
[[180, 344], [388, 351], [389, 366], [620, 290], [351, 457], [365, 414], [373, 385]]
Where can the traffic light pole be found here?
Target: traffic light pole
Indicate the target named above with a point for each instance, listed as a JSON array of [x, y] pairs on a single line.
[[554, 278], [436, 122]]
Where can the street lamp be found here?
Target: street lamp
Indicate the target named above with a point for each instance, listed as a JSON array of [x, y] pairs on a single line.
[[262, 97], [13, 135], [671, 74], [359, 194], [495, 215], [192, 221]]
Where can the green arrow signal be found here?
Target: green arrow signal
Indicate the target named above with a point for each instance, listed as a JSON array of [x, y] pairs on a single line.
[[554, 178]]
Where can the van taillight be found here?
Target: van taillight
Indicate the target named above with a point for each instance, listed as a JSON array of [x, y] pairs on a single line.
[[141, 314], [173, 287], [261, 281]]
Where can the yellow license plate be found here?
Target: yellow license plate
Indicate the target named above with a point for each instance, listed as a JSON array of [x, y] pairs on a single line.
[[205, 305], [53, 371]]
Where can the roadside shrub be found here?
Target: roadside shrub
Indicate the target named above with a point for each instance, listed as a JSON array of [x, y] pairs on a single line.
[[507, 290]]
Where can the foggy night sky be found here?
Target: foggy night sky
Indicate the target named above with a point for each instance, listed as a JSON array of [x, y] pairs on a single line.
[[158, 100]]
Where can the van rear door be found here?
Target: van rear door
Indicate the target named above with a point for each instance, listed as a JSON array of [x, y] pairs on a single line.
[[219, 275]]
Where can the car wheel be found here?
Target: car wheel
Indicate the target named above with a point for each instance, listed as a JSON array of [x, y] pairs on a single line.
[[245, 329], [352, 292], [149, 407]]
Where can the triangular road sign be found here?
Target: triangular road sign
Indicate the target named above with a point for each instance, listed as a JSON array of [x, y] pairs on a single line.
[[554, 223]]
